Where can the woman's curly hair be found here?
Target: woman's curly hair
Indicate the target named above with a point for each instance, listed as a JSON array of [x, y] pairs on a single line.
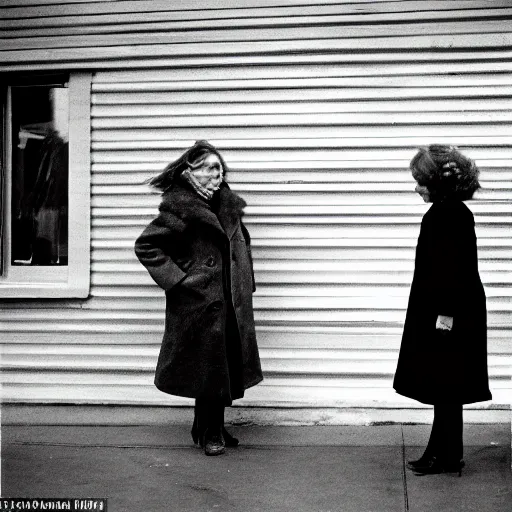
[[192, 156], [446, 172]]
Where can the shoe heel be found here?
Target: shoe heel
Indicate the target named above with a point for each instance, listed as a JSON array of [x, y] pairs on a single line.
[[229, 440], [458, 469]]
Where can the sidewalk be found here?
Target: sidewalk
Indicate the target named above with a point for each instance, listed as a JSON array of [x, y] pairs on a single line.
[[288, 469]]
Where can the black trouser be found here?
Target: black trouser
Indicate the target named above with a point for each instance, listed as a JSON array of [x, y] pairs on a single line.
[[445, 441]]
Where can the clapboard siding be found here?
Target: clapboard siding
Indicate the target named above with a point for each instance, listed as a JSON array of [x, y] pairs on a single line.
[[317, 110], [128, 34]]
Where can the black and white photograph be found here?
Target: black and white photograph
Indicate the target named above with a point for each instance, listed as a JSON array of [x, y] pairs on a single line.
[[256, 255]]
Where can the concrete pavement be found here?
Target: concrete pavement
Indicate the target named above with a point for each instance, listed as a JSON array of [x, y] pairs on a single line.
[[304, 469]]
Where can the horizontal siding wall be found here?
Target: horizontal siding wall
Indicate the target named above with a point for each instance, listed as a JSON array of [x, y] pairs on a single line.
[[318, 110]]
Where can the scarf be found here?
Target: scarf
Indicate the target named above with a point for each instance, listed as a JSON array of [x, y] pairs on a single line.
[[203, 192]]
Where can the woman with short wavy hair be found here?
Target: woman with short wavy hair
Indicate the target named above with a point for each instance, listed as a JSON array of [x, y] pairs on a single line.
[[443, 355]]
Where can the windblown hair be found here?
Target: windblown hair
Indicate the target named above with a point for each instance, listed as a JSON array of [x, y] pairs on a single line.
[[446, 172], [192, 158]]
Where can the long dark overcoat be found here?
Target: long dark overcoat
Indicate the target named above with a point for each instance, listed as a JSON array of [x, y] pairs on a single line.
[[434, 367], [202, 259]]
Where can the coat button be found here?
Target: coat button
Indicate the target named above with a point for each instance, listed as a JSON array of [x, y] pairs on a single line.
[[210, 262], [215, 306]]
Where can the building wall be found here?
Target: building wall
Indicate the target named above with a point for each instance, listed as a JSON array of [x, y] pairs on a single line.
[[317, 110]]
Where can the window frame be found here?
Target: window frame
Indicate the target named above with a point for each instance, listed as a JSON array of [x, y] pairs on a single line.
[[72, 280]]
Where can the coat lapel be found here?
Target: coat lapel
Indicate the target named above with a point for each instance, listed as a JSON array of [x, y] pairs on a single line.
[[231, 210]]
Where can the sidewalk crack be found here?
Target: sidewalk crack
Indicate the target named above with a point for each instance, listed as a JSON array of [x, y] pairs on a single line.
[[404, 474]]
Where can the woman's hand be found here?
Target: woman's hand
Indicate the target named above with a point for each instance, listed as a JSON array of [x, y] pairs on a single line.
[[444, 323]]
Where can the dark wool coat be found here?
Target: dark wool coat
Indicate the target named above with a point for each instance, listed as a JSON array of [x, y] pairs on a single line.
[[202, 259], [435, 367]]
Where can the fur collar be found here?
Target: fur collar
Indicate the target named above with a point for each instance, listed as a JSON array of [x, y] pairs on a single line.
[[183, 202]]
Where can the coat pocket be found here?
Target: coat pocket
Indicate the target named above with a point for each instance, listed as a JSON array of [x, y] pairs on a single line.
[[194, 280]]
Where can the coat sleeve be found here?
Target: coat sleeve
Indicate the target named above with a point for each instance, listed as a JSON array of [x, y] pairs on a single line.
[[150, 248], [453, 261], [249, 252]]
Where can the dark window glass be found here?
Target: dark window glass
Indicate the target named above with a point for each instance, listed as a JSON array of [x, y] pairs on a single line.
[[39, 217]]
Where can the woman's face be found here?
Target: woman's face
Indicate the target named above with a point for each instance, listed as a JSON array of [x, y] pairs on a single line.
[[423, 192], [209, 173]]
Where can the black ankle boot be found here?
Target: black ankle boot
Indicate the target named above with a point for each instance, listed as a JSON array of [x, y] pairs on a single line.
[[436, 466], [214, 442], [424, 460]]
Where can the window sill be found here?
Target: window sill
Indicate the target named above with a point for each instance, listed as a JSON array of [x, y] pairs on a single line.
[[21, 290]]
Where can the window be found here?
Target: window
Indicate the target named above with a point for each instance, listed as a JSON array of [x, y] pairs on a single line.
[[45, 210]]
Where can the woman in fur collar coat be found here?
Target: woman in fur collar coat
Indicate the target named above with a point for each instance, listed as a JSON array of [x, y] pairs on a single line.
[[198, 251], [443, 356]]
